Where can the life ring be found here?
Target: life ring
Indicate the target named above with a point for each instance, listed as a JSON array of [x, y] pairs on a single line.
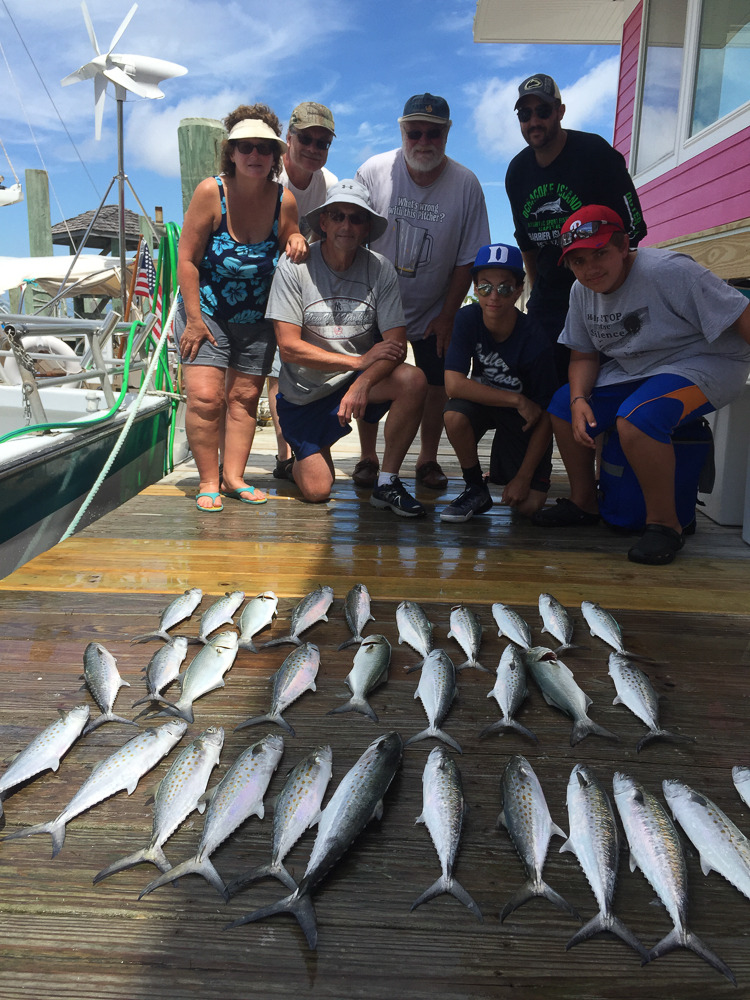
[[57, 365]]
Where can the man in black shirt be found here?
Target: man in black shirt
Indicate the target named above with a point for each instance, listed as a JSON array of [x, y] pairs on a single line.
[[560, 171]]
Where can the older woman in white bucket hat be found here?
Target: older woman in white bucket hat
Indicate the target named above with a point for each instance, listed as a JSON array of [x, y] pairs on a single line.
[[342, 337]]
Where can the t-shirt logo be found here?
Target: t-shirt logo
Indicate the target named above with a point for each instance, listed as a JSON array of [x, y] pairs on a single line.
[[495, 371], [551, 207], [546, 209], [614, 332], [339, 318]]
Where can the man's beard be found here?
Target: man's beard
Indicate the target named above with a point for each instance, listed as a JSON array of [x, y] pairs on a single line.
[[422, 163]]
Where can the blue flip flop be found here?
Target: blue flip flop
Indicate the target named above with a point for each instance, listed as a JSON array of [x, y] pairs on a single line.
[[237, 495], [211, 509]]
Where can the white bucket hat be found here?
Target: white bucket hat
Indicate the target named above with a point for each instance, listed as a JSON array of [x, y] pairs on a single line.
[[349, 192], [254, 128]]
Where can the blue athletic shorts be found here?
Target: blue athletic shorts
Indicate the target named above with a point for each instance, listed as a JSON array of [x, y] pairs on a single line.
[[311, 427], [655, 405]]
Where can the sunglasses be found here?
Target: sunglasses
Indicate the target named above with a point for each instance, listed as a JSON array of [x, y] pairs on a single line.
[[585, 230], [307, 140], [542, 111], [487, 288], [432, 133], [354, 217], [264, 148]]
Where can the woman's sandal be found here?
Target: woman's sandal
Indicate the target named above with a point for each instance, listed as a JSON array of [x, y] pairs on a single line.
[[237, 495], [565, 514], [211, 509]]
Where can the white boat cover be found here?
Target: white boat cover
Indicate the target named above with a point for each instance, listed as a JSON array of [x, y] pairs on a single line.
[[101, 274], [11, 195]]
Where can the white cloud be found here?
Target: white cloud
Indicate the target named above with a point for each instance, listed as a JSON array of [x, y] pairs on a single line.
[[506, 54], [592, 98]]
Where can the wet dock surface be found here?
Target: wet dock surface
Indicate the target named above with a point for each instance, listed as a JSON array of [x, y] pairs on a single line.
[[62, 936]]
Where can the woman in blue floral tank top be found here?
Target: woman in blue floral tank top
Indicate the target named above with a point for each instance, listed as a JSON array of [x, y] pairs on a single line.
[[236, 227]]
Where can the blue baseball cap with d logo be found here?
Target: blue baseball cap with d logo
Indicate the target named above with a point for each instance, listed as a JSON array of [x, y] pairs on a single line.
[[499, 255]]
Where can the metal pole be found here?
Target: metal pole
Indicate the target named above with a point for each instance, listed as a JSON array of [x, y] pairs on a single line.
[[121, 193], [82, 244]]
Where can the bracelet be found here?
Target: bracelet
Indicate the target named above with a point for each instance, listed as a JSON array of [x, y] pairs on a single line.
[[587, 398]]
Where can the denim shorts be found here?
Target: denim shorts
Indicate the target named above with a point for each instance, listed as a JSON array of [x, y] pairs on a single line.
[[245, 347]]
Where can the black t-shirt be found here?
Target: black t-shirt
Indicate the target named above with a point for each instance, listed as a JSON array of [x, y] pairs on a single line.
[[588, 171], [525, 362]]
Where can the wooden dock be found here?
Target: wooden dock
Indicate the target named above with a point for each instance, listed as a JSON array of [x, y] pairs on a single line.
[[61, 936]]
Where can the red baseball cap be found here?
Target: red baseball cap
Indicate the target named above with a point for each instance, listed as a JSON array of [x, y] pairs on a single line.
[[591, 226]]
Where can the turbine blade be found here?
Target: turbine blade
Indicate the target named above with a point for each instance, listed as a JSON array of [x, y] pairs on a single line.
[[121, 79], [72, 78], [90, 27], [100, 94], [118, 34]]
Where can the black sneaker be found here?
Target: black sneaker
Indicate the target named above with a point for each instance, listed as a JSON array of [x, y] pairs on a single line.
[[473, 500], [394, 495]]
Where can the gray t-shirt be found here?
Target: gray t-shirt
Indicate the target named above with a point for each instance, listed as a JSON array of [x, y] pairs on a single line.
[[670, 316], [312, 197], [339, 311], [431, 230]]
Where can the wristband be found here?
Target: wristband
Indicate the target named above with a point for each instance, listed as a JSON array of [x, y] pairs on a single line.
[[573, 400]]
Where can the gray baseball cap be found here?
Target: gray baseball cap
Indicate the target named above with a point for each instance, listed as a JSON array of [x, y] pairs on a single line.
[[540, 85]]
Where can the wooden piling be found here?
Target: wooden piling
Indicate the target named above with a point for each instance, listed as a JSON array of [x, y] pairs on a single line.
[[199, 142]]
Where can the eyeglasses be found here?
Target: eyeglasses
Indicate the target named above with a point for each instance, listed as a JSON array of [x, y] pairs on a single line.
[[307, 140], [264, 148], [354, 217], [487, 288], [432, 133], [585, 230], [542, 111]]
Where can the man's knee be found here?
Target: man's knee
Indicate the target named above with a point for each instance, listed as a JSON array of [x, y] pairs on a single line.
[[315, 496], [457, 423], [411, 382], [627, 432]]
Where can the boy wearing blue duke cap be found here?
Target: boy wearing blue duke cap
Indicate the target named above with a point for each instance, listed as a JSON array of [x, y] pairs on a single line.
[[499, 374]]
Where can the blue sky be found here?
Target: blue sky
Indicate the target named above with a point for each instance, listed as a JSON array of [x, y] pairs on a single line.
[[361, 58]]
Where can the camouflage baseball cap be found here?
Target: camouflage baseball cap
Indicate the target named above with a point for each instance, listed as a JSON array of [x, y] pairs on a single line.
[[540, 85], [309, 114]]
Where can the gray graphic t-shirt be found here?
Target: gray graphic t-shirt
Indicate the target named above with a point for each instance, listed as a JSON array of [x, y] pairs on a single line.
[[671, 316], [339, 311]]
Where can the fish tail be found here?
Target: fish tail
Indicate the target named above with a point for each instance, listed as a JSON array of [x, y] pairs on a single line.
[[153, 854], [247, 644], [355, 640], [638, 656], [55, 828], [449, 885], [532, 889], [284, 638], [150, 636], [298, 904], [503, 724], [472, 663], [587, 727], [271, 870], [193, 866], [360, 705], [565, 648], [664, 734], [607, 922], [438, 735], [106, 717], [417, 666], [682, 938], [266, 718]]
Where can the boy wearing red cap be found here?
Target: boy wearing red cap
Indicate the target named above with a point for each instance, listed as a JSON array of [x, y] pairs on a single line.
[[678, 342]]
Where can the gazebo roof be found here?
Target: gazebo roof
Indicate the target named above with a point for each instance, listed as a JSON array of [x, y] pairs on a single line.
[[105, 229]]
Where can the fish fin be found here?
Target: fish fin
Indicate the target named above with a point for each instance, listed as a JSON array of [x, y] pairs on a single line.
[[377, 812], [247, 644], [150, 636], [568, 846], [440, 735], [706, 866], [299, 905], [206, 798], [193, 866], [54, 828], [267, 718], [545, 629], [83, 687], [106, 717], [501, 821], [270, 870], [449, 885], [632, 862], [372, 618], [154, 855], [360, 705], [420, 819], [530, 890], [281, 641], [124, 684], [417, 666], [54, 766], [589, 701], [618, 701], [683, 938], [567, 649], [260, 812], [586, 727], [472, 663], [555, 831], [312, 686], [424, 735], [355, 639], [665, 734], [602, 922], [502, 724], [549, 700]]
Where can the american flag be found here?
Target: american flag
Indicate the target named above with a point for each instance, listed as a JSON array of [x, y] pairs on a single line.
[[145, 282]]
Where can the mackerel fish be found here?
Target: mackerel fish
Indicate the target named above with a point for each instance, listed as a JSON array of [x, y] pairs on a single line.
[[443, 811], [741, 779], [181, 608], [102, 678], [311, 609], [526, 817], [298, 807], [509, 692], [414, 628], [595, 841], [559, 688], [604, 627], [655, 848], [357, 800], [295, 676], [121, 770], [466, 629], [369, 671], [203, 674], [45, 751], [257, 615], [557, 623], [163, 668], [511, 625], [635, 692], [177, 795], [221, 612], [357, 613], [436, 690], [238, 796]]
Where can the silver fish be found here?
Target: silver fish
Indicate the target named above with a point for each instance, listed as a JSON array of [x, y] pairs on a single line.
[[509, 692], [121, 770], [295, 676], [297, 809], [741, 779], [655, 848], [238, 796], [357, 613], [721, 845], [604, 627], [221, 612], [557, 622], [46, 750], [595, 841], [414, 628], [257, 615], [512, 625], [357, 800], [163, 668], [103, 681], [203, 674], [436, 690], [526, 817], [181, 608], [370, 669], [635, 692], [443, 810], [466, 629], [559, 688], [178, 794], [311, 609]]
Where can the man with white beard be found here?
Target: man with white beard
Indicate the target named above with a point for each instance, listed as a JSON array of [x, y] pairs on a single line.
[[437, 222]]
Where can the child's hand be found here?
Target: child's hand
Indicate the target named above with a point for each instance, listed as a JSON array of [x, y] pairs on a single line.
[[530, 411], [516, 491]]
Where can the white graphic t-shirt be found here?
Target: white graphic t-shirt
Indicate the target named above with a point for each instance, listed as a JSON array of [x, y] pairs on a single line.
[[671, 316], [339, 311], [431, 230], [312, 197]]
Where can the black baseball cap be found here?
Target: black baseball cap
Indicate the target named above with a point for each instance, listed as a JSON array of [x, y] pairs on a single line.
[[540, 85], [426, 108]]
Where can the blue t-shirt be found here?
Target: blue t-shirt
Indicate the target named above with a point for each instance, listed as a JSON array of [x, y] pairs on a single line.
[[524, 363]]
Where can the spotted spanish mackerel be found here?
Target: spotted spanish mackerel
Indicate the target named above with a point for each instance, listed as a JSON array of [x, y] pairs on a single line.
[[295, 676], [559, 688], [635, 692], [103, 681], [256, 615], [655, 848], [557, 623], [121, 770], [178, 794], [297, 809], [221, 612], [436, 690], [741, 779], [163, 668], [603, 625], [509, 692], [414, 628], [204, 673], [46, 750], [511, 624], [370, 669], [357, 613], [466, 629], [311, 609], [181, 608]]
